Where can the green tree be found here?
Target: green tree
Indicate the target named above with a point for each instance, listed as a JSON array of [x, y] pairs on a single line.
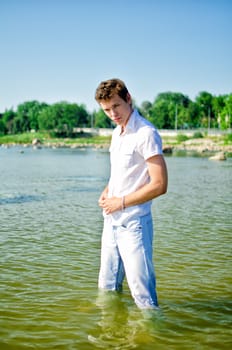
[[101, 120], [169, 110], [8, 120], [146, 109], [226, 114], [33, 114], [22, 120], [193, 119], [63, 117], [26, 117], [218, 105], [83, 117], [159, 114], [2, 126], [204, 100]]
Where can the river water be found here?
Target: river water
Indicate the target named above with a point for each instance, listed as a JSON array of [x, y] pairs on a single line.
[[50, 231]]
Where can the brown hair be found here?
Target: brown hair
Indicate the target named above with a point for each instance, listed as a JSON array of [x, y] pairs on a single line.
[[108, 88]]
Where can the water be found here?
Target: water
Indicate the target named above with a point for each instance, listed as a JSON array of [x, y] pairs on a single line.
[[50, 230]]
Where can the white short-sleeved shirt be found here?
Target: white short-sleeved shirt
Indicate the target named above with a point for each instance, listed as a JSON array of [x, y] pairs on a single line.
[[128, 154]]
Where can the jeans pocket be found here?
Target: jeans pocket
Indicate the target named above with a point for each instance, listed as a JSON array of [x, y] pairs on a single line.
[[132, 226]]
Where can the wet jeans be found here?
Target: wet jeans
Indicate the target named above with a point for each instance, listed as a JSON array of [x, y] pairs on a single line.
[[127, 249]]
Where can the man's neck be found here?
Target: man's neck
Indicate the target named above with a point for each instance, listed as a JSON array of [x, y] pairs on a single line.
[[123, 127]]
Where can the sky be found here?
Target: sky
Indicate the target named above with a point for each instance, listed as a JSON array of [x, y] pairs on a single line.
[[60, 50]]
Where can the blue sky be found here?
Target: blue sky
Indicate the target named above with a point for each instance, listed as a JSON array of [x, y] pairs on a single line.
[[60, 50]]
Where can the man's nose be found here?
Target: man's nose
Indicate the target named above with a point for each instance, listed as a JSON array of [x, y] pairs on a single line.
[[113, 112]]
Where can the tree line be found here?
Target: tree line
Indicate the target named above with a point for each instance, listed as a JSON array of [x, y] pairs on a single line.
[[170, 110]]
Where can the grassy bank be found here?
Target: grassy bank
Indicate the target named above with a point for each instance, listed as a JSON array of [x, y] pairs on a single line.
[[181, 142], [45, 138]]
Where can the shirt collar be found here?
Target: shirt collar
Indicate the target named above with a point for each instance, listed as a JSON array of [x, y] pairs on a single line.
[[130, 126]]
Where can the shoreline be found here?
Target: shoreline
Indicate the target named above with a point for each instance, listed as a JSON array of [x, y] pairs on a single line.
[[174, 143], [200, 147]]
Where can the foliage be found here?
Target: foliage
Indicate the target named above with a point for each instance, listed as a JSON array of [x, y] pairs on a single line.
[[8, 120], [27, 116], [145, 109], [226, 114], [23, 138], [101, 120], [181, 138], [173, 110], [197, 135], [2, 127], [61, 118], [228, 139], [170, 110]]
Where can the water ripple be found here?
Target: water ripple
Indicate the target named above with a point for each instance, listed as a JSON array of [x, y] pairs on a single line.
[[50, 236]]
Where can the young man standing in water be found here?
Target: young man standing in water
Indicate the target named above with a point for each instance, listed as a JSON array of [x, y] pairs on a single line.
[[138, 175]]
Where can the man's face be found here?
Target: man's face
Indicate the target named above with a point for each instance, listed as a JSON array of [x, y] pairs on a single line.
[[117, 109]]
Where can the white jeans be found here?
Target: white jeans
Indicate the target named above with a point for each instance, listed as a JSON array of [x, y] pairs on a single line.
[[128, 250]]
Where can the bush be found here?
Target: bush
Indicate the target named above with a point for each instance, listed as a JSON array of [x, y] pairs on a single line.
[[228, 139], [197, 135], [181, 138]]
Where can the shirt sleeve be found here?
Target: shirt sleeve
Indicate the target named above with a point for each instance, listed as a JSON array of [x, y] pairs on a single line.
[[150, 143]]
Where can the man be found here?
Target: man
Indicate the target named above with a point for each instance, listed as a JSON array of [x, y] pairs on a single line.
[[138, 175]]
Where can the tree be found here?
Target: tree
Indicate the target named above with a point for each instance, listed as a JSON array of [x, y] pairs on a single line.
[[8, 120], [192, 114], [22, 121], [226, 113], [27, 115], [101, 120], [218, 104], [167, 107], [204, 101], [145, 109], [159, 114], [62, 118], [83, 117], [33, 114], [2, 126]]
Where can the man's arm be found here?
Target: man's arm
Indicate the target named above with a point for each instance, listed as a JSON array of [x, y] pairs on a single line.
[[156, 187]]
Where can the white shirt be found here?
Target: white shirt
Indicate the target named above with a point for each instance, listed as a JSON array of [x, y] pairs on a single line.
[[128, 154]]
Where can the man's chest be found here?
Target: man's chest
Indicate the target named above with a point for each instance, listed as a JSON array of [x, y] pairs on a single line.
[[124, 152]]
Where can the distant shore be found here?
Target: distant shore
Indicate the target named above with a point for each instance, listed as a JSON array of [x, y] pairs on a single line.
[[200, 146], [172, 144]]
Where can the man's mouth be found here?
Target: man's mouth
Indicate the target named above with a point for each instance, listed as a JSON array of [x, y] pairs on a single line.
[[117, 120]]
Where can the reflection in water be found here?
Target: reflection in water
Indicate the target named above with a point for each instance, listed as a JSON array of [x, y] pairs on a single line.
[[124, 326]]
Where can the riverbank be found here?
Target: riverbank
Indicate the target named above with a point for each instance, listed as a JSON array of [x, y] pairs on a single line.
[[208, 145], [200, 146]]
